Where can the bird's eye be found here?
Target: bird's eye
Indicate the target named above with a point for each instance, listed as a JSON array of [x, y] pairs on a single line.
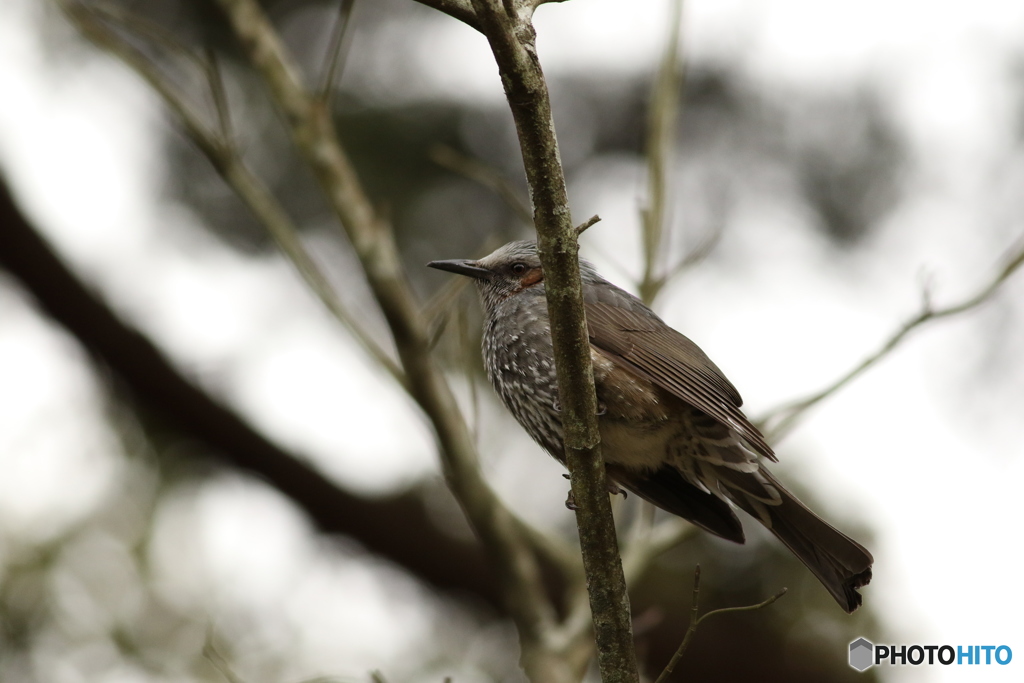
[[519, 268]]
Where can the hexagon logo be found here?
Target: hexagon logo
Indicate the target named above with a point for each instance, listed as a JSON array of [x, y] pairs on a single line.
[[862, 654]]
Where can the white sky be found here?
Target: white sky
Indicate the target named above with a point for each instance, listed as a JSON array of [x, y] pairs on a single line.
[[892, 449]]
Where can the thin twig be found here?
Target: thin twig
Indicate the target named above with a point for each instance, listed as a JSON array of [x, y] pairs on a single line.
[[466, 352], [695, 622], [143, 28], [451, 159], [220, 97], [691, 258], [229, 165], [661, 124], [664, 113], [781, 421], [219, 661], [582, 227], [337, 51]]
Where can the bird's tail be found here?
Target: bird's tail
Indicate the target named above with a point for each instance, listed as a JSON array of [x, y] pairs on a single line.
[[840, 563]]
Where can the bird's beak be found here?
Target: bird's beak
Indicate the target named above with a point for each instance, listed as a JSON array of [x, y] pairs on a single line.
[[462, 267]]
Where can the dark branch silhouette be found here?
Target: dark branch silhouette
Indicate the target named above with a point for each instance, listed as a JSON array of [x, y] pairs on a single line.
[[396, 528]]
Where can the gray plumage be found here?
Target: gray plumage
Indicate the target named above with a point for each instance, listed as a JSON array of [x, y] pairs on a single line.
[[671, 426]]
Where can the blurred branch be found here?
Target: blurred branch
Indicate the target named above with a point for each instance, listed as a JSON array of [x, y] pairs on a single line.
[[695, 622], [451, 159], [220, 98], [337, 51], [647, 542], [219, 661], [221, 152], [661, 124], [510, 543], [512, 40], [510, 546], [397, 528], [781, 421]]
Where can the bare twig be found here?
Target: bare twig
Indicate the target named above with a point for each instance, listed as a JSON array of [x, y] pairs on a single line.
[[511, 37], [661, 125], [695, 622], [663, 117], [220, 98], [219, 661], [781, 421], [142, 27], [583, 227], [219, 150], [337, 51], [446, 157]]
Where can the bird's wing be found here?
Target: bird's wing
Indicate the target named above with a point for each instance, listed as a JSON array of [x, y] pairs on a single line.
[[625, 329]]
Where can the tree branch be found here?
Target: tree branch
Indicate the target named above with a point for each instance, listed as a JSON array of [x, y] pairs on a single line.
[[338, 50], [781, 421], [512, 546], [587, 224], [695, 622], [397, 528], [512, 40], [661, 123], [446, 157], [219, 149], [503, 535]]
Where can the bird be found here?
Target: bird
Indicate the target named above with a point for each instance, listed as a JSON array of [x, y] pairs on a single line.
[[671, 427]]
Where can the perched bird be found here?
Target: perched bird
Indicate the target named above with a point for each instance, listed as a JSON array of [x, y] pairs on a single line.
[[671, 427]]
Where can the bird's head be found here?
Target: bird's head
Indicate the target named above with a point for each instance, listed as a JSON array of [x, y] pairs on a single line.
[[505, 272]]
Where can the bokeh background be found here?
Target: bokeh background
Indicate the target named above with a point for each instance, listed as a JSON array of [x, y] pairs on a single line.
[[841, 157]]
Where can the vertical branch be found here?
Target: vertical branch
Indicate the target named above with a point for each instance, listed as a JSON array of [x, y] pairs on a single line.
[[337, 51], [512, 39], [661, 122]]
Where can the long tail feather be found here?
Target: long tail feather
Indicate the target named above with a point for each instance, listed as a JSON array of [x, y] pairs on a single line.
[[840, 563]]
